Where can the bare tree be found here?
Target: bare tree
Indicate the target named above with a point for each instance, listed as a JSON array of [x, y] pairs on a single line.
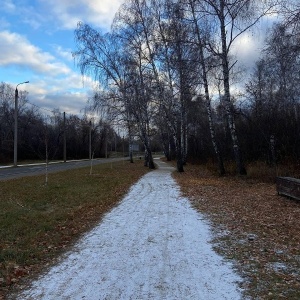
[[159, 32], [202, 32], [6, 119], [232, 19], [273, 94], [290, 9]]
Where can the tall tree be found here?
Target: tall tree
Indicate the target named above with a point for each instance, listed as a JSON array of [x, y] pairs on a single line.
[[159, 25], [109, 58], [232, 19], [201, 34]]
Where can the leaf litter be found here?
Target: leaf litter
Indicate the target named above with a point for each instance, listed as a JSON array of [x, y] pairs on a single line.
[[254, 227]]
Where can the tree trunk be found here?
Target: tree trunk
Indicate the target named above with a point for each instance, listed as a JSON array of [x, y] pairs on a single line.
[[272, 151], [130, 145], [150, 159], [178, 155], [207, 98], [179, 164], [210, 121], [146, 159], [184, 134], [149, 154], [213, 138], [166, 148], [227, 101]]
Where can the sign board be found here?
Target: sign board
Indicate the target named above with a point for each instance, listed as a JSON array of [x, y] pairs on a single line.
[[134, 147]]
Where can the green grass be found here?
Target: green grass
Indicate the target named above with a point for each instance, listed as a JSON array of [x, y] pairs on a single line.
[[38, 221]]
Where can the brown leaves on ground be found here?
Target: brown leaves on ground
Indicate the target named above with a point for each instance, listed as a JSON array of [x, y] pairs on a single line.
[[254, 226]]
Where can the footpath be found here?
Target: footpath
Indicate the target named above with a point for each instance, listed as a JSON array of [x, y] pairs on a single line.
[[153, 245]]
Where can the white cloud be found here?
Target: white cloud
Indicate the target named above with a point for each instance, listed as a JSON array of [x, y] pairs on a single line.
[[67, 93], [52, 83], [247, 49], [66, 54], [17, 50], [8, 6], [71, 103], [63, 100], [32, 22], [98, 13], [4, 24]]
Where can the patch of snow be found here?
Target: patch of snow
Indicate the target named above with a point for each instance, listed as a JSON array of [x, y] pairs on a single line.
[[277, 266], [252, 237], [153, 245]]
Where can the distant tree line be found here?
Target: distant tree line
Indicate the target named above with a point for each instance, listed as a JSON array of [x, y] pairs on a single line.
[[41, 132]]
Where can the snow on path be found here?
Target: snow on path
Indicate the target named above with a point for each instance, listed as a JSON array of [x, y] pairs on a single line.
[[154, 245]]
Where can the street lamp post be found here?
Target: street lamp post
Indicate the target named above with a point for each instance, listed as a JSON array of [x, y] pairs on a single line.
[[16, 124]]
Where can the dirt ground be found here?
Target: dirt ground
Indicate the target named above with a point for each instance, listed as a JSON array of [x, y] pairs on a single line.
[[254, 226]]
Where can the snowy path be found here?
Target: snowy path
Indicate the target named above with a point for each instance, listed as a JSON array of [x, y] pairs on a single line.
[[152, 246]]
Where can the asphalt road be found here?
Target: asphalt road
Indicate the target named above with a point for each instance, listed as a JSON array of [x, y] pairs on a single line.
[[37, 169]]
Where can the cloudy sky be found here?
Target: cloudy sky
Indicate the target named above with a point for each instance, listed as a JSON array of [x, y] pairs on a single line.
[[36, 41], [37, 38]]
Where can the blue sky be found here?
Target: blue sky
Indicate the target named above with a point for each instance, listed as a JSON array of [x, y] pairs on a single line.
[[36, 41]]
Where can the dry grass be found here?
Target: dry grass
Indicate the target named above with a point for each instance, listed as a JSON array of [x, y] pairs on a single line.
[[254, 227], [39, 222]]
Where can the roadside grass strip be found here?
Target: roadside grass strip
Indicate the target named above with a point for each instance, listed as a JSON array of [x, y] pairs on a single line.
[[38, 221]]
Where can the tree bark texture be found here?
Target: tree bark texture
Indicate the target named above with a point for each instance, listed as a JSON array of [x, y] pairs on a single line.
[[227, 100]]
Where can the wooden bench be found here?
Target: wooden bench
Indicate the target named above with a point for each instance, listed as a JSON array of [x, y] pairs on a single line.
[[288, 186]]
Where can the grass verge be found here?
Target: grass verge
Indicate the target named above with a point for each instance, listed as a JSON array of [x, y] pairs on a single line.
[[39, 222], [254, 227]]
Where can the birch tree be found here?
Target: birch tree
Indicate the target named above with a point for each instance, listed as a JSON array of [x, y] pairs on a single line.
[[201, 35], [232, 19], [273, 94], [159, 25], [109, 58]]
